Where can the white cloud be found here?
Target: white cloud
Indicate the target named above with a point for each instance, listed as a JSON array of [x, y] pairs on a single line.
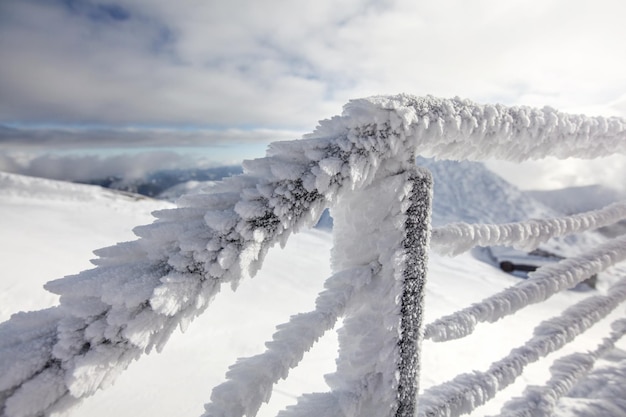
[[281, 64], [551, 173], [64, 138], [84, 153], [94, 167]]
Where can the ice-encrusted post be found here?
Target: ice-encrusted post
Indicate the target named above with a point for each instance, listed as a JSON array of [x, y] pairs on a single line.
[[385, 225], [416, 243]]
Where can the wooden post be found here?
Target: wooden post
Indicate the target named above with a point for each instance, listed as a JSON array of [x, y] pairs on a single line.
[[416, 244]]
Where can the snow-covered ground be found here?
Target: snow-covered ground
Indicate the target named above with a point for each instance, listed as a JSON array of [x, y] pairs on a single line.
[[48, 230]]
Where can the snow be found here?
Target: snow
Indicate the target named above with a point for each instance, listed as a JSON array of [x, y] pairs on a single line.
[[252, 379], [566, 372], [460, 182], [602, 392], [143, 290], [372, 258], [195, 361], [237, 323], [92, 217], [468, 391], [461, 129], [541, 285]]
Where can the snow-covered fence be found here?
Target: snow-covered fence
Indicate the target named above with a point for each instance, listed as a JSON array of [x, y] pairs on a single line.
[[378, 292], [567, 371], [141, 291], [467, 391]]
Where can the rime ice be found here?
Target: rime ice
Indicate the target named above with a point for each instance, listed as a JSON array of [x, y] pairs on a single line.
[[141, 291]]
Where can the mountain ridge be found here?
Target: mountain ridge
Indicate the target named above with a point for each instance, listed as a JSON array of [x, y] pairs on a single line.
[[572, 200]]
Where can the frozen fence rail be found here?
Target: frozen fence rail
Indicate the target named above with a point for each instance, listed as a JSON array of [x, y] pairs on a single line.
[[141, 291], [541, 285], [566, 372], [467, 391], [456, 238]]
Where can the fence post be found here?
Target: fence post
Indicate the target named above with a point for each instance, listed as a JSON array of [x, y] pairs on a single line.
[[416, 243], [385, 226]]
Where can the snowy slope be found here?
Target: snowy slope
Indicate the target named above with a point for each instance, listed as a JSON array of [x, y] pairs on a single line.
[[58, 224], [464, 191], [469, 192], [49, 229], [68, 221]]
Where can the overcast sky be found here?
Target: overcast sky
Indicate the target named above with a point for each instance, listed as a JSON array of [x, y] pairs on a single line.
[[237, 74]]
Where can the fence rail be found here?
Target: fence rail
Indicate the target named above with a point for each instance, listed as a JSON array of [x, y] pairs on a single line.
[[142, 291]]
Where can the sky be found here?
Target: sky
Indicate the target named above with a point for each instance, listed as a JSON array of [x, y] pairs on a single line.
[[216, 81]]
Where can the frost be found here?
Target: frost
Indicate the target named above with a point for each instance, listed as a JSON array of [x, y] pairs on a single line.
[[250, 380], [141, 291], [601, 391], [542, 284], [540, 401], [377, 368], [467, 391], [456, 238]]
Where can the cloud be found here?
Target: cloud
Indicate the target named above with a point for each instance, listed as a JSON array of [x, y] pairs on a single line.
[[90, 167], [63, 66], [94, 152], [288, 64], [215, 72], [102, 137], [551, 173]]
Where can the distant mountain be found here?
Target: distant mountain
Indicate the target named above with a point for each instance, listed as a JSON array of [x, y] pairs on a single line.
[[22, 186], [469, 192], [188, 187], [157, 182], [578, 199], [464, 191]]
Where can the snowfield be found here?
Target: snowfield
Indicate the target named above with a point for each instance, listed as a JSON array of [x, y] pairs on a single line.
[[49, 229], [361, 165], [59, 224]]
